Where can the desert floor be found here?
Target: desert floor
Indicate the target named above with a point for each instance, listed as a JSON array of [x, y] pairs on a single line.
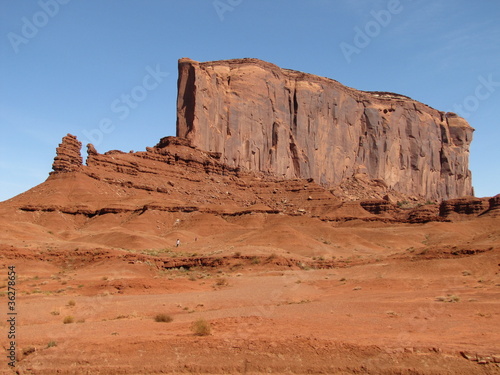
[[388, 308]]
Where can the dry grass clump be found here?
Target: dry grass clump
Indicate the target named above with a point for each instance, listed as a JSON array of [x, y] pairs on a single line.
[[201, 328], [221, 282], [448, 298], [163, 318], [51, 344]]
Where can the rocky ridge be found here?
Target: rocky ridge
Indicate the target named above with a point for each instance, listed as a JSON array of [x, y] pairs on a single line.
[[174, 176]]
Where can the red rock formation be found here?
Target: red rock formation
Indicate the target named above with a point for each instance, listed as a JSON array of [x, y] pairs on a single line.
[[424, 214], [494, 208], [295, 125], [68, 157], [378, 206], [464, 206], [174, 176]]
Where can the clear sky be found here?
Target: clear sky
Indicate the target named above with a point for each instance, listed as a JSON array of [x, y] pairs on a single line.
[[70, 66]]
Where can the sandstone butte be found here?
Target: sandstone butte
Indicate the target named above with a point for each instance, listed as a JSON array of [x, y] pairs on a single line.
[[252, 137], [290, 124]]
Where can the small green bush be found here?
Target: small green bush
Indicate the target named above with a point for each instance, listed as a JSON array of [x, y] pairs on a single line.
[[201, 328]]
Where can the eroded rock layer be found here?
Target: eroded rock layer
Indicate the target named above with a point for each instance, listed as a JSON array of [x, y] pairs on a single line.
[[68, 157], [174, 176], [259, 117]]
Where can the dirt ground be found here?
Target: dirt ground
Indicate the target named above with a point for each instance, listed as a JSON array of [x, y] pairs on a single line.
[[282, 295]]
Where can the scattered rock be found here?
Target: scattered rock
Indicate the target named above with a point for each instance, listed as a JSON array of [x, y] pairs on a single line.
[[468, 356]]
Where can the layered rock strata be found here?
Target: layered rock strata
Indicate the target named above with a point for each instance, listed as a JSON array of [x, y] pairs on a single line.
[[289, 124], [68, 157], [174, 176]]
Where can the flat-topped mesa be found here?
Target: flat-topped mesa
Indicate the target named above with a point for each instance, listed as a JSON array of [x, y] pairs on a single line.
[[296, 125], [68, 157]]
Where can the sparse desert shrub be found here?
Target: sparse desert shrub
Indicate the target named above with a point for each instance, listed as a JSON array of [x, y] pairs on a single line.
[[51, 344], [55, 313], [68, 319], [221, 282], [402, 204], [163, 318], [272, 257], [448, 298], [71, 303], [201, 328], [255, 260]]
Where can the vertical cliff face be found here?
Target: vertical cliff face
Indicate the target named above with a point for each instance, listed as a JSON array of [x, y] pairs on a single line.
[[291, 124]]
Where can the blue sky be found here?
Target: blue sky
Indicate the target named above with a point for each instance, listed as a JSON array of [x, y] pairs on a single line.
[[67, 66]]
